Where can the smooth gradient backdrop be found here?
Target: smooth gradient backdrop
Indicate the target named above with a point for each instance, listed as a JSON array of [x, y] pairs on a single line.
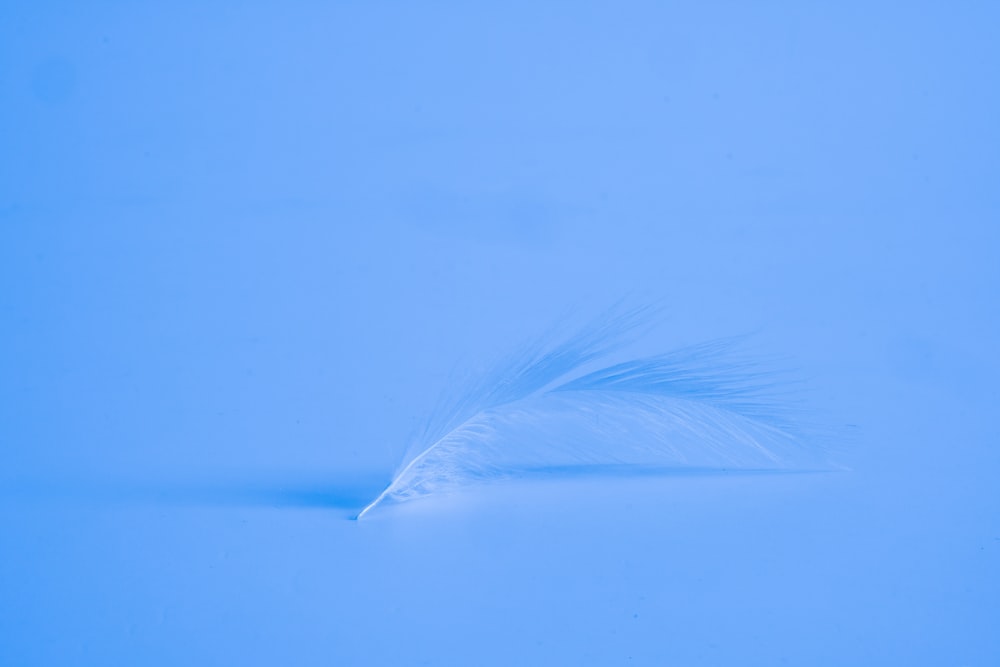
[[245, 246]]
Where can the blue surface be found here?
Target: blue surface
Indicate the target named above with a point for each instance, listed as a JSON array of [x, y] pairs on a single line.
[[243, 248]]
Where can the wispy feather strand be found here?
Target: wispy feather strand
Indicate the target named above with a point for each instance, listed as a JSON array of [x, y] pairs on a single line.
[[543, 412]]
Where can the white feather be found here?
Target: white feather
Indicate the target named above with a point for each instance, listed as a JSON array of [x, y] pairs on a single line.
[[543, 413]]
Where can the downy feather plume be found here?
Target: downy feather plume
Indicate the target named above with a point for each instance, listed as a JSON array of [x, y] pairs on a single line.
[[555, 410]]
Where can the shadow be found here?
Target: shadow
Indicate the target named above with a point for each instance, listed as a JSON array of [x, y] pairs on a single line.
[[614, 470], [347, 492]]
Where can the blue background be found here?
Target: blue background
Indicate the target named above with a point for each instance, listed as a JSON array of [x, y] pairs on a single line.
[[244, 246]]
